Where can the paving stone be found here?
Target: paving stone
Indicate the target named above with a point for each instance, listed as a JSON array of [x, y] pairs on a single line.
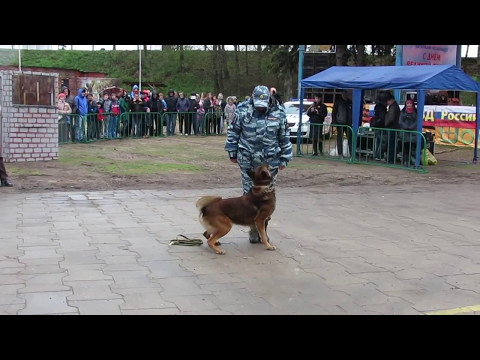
[[8, 294], [124, 267], [143, 298], [112, 259], [86, 272], [98, 307], [165, 311], [131, 279], [40, 252], [45, 303], [11, 309], [194, 303], [91, 290], [152, 252], [178, 286], [42, 269], [165, 269], [10, 279], [38, 283], [393, 253]]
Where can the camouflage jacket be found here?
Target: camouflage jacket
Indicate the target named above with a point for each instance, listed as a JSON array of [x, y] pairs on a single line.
[[259, 137]]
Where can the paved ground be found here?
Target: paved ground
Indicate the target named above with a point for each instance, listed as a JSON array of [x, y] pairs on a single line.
[[341, 250]]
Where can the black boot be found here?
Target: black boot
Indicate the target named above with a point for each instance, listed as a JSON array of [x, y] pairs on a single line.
[[253, 236], [7, 182]]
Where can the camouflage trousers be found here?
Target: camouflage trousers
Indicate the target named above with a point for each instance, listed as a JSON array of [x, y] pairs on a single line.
[[247, 182]]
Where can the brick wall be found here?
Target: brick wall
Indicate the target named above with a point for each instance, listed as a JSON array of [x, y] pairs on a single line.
[[30, 133]]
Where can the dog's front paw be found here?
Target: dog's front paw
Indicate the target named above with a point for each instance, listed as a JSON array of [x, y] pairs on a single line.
[[221, 252], [271, 248]]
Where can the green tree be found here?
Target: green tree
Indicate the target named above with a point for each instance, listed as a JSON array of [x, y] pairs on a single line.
[[341, 55], [237, 69], [285, 65], [246, 59]]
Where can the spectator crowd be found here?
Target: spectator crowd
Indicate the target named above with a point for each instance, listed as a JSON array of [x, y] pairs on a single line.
[[141, 114]]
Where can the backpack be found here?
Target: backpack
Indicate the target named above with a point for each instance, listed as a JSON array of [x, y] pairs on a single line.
[[100, 115], [115, 108]]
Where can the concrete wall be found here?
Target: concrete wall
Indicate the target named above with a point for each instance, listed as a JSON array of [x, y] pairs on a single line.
[[29, 133]]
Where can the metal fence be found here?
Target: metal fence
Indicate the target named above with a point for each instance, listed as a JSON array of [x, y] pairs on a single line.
[[376, 146], [391, 148], [95, 126], [92, 127], [333, 142]]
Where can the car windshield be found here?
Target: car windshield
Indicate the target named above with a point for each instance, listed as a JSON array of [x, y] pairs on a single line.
[[292, 109]]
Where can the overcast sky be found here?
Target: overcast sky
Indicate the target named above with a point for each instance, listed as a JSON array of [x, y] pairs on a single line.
[[472, 52]]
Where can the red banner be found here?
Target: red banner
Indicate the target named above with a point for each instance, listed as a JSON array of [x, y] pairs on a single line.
[[439, 115]]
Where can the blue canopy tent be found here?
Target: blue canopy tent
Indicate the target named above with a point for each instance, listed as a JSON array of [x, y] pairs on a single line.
[[420, 78]]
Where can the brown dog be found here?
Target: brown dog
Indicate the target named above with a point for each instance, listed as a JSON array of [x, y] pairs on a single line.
[[253, 209]]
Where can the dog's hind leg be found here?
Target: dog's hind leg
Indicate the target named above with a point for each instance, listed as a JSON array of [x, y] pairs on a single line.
[[260, 221], [207, 235], [208, 232], [222, 227]]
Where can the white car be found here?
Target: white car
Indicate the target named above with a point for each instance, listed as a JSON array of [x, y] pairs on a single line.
[[292, 112]]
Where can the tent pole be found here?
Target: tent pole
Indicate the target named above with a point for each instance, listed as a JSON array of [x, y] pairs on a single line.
[[420, 110], [398, 62], [140, 70], [299, 129], [357, 109], [301, 50], [477, 126], [459, 56]]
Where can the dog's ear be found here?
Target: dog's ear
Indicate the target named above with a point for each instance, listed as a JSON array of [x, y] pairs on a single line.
[[251, 173]]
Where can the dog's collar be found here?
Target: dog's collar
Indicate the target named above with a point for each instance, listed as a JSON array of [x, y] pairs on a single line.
[[265, 188]]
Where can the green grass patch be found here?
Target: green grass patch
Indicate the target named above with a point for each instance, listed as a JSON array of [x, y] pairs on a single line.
[[184, 151], [135, 168], [76, 159], [23, 172]]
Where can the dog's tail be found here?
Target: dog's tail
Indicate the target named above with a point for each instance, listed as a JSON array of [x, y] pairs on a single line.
[[204, 201], [201, 204]]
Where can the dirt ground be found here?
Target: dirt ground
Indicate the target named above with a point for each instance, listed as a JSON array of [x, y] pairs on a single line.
[[201, 162]]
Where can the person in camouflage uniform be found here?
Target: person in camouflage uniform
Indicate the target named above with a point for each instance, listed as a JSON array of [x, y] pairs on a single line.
[[258, 135]]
